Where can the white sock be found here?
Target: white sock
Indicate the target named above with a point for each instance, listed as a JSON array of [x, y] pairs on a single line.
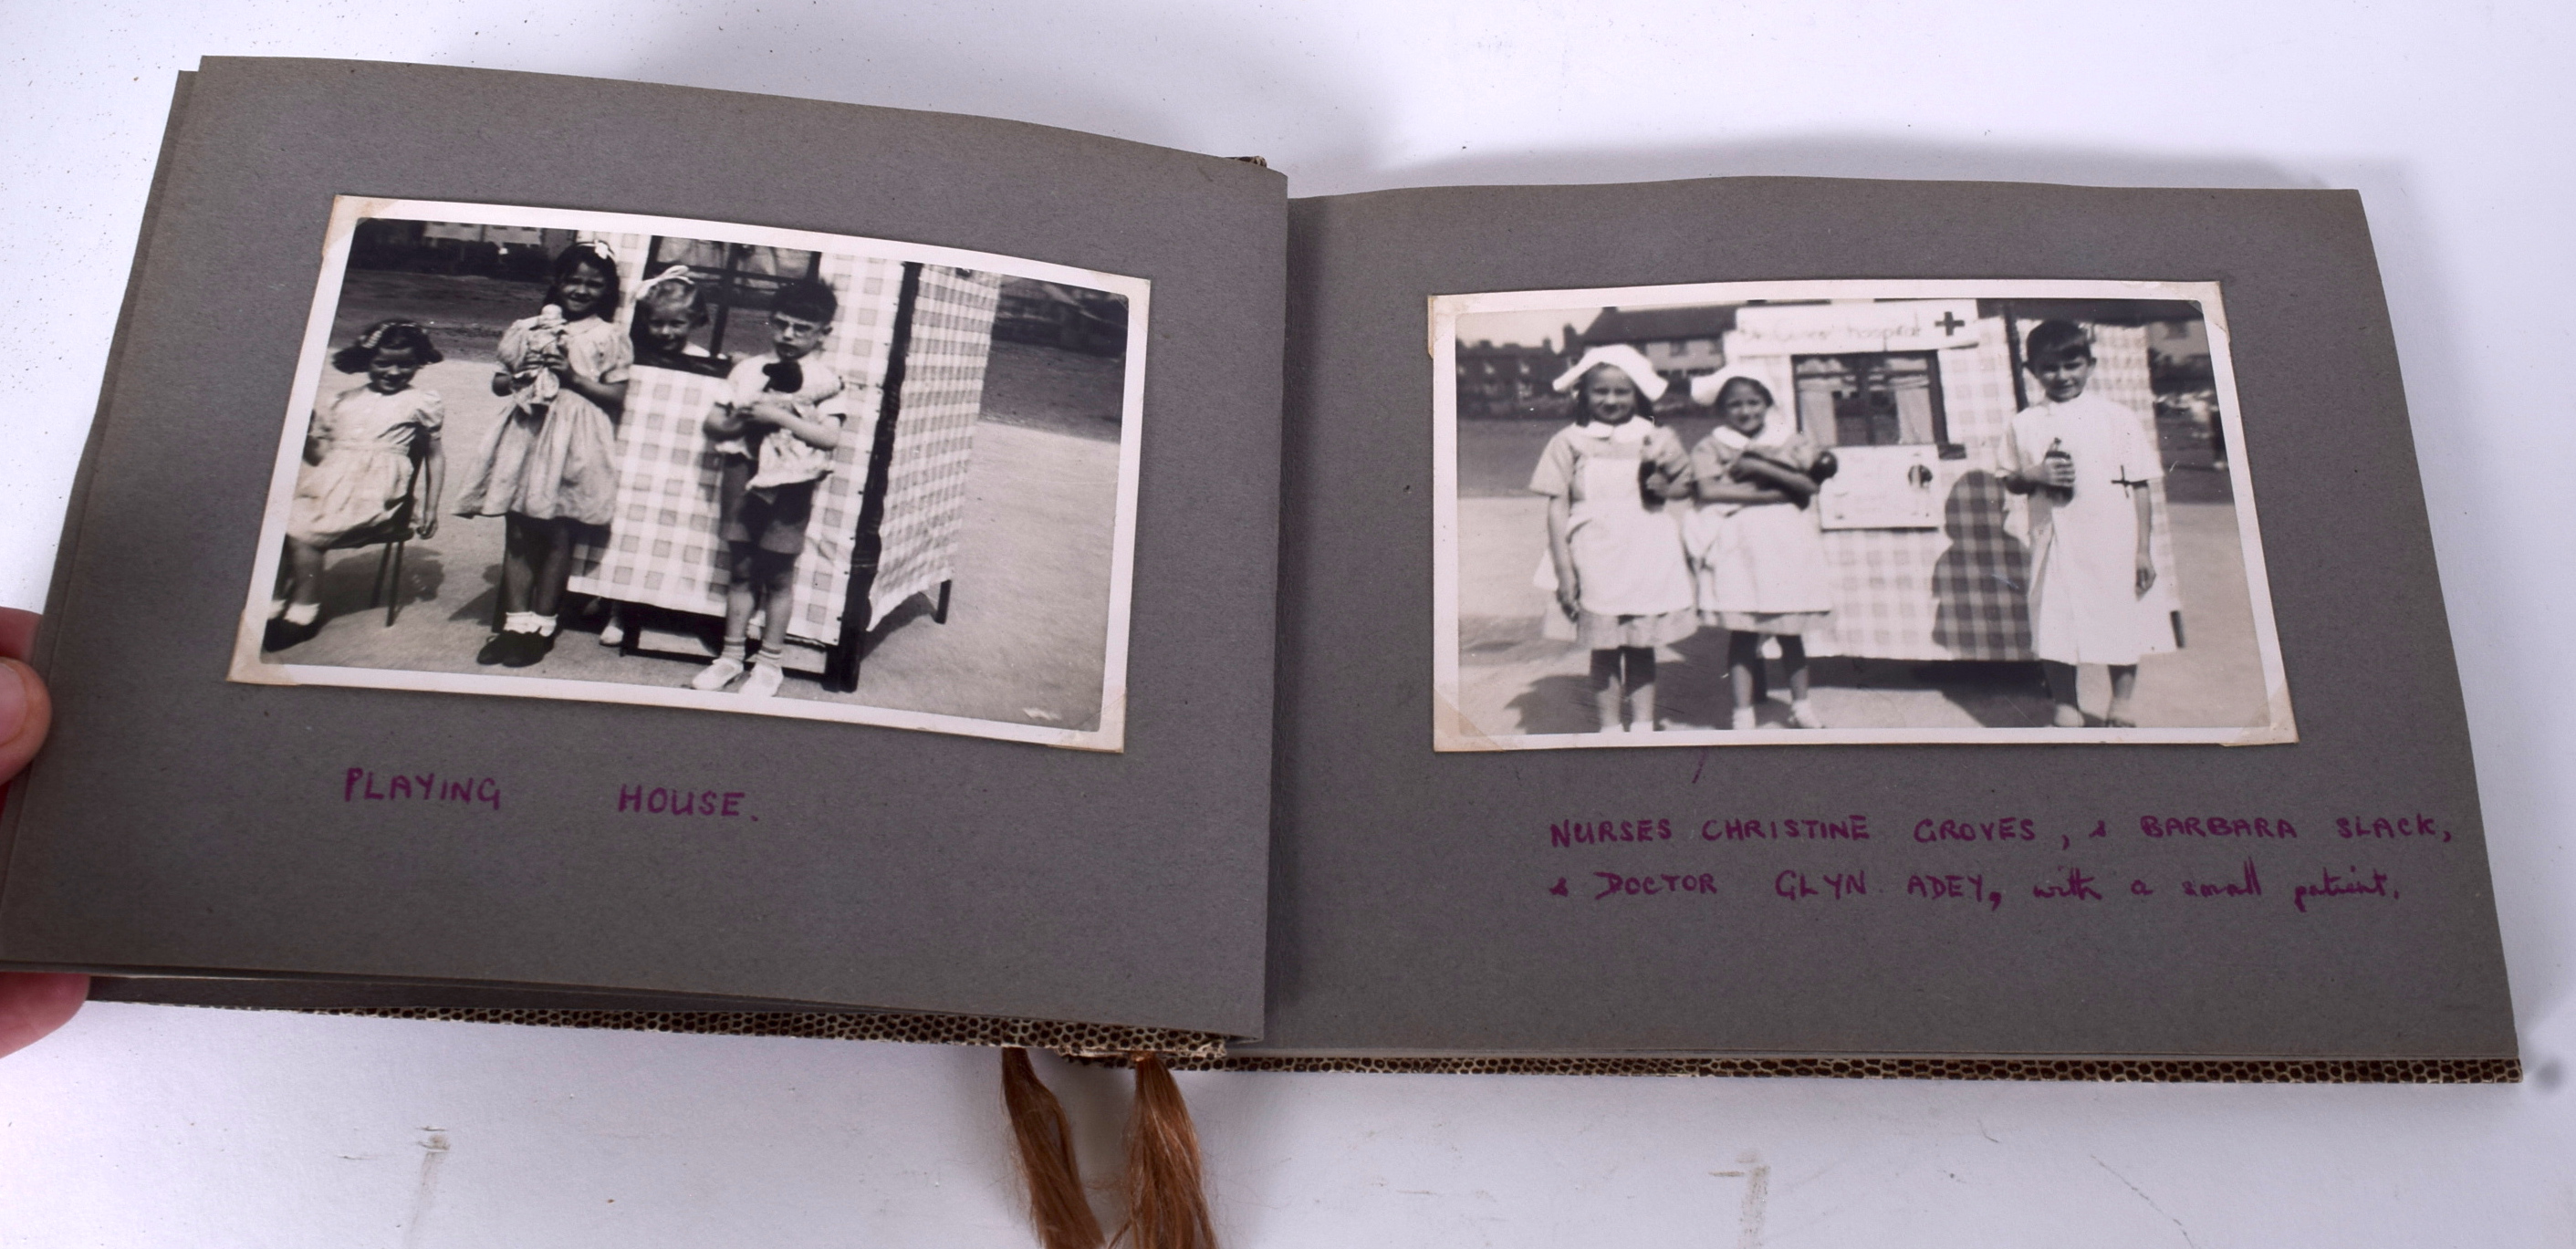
[[545, 625], [520, 622], [302, 613], [276, 608]]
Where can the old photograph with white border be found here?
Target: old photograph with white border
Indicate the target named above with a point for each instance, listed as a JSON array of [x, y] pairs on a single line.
[[555, 453], [1852, 511]]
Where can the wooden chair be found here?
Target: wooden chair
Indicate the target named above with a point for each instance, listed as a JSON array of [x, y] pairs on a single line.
[[394, 533]]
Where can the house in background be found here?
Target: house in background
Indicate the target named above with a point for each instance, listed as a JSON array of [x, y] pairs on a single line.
[[1681, 342], [1505, 380], [1075, 318], [518, 253]]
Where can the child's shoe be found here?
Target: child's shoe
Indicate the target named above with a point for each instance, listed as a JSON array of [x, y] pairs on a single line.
[[613, 633], [1746, 718], [291, 624], [718, 675], [531, 638], [764, 680], [1802, 715], [282, 633]]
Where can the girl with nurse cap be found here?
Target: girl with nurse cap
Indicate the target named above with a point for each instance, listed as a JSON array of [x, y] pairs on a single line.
[[1614, 538], [1756, 549]]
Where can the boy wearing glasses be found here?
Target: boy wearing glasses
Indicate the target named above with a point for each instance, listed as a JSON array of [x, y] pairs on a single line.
[[774, 431]]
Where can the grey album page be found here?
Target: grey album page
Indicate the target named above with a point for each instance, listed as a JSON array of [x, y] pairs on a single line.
[[395, 635], [1812, 617]]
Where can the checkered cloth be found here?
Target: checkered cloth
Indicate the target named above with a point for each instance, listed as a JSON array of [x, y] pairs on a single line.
[[662, 549], [1962, 591], [934, 437]]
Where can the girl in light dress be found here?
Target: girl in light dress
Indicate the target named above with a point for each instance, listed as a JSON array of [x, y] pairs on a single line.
[[360, 456], [669, 307], [1757, 552], [550, 465], [1614, 540]]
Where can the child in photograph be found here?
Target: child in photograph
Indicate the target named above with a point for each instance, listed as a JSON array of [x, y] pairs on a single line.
[[373, 470], [1614, 546], [774, 432], [669, 306], [1757, 551], [2087, 465], [552, 467]]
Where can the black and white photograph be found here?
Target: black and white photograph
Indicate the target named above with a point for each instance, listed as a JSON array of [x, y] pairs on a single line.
[[563, 454], [1846, 512]]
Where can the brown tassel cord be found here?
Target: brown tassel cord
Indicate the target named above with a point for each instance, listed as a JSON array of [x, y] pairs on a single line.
[[1166, 1197], [1056, 1201]]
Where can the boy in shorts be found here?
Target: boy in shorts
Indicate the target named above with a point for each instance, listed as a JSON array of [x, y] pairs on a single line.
[[774, 432]]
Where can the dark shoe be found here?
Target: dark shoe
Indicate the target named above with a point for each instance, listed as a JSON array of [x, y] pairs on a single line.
[[282, 633], [530, 648], [495, 648]]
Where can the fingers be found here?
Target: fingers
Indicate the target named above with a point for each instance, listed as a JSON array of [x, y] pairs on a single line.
[[17, 632], [25, 715], [26, 712], [33, 1003]]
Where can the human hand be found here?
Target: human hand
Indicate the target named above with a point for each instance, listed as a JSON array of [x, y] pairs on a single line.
[[2057, 471], [1657, 483], [1569, 601], [32, 1003], [424, 523], [2146, 573]]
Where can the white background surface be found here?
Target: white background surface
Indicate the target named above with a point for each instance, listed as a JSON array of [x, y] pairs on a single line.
[[169, 1127]]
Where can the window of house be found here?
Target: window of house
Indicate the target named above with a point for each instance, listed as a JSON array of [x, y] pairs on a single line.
[[1880, 399], [743, 281]]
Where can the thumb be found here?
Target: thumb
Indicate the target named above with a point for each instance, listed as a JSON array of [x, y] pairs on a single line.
[[26, 714], [33, 1003]]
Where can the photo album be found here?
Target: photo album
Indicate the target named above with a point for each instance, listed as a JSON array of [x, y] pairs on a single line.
[[640, 556]]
